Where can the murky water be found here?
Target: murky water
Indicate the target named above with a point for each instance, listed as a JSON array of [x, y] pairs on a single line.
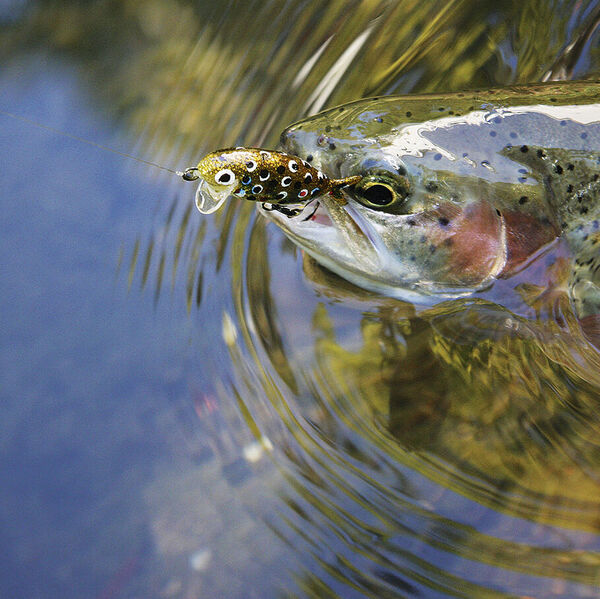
[[190, 408]]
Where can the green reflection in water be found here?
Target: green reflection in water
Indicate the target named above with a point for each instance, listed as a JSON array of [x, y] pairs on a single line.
[[484, 412]]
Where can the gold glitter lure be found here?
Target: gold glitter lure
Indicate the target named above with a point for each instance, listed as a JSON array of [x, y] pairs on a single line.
[[274, 178]]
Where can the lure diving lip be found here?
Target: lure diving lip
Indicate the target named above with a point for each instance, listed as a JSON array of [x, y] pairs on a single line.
[[274, 178]]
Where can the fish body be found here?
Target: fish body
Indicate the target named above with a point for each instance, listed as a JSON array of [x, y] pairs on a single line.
[[266, 176], [456, 190]]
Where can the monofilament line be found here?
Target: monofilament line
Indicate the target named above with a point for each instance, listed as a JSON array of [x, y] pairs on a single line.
[[87, 141]]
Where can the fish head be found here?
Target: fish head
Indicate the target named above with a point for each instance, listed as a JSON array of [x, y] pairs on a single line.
[[422, 223]]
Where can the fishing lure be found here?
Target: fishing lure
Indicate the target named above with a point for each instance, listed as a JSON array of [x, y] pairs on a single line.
[[274, 178]]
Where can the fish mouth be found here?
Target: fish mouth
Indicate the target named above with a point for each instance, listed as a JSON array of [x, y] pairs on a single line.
[[336, 235], [346, 239]]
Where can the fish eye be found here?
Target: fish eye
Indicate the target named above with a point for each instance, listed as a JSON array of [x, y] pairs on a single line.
[[380, 192]]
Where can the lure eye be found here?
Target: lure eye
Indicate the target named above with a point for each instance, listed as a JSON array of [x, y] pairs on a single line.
[[224, 177], [380, 193]]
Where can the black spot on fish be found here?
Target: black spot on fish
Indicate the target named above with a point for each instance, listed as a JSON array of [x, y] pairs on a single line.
[[583, 136], [432, 248], [451, 112], [309, 158], [437, 157], [569, 189], [401, 171], [341, 109], [441, 109], [553, 100], [493, 134], [332, 146], [409, 114], [251, 198], [411, 222], [443, 221], [413, 259], [524, 149], [431, 186], [563, 123], [541, 154], [281, 170], [595, 177], [570, 167], [523, 200], [558, 169], [584, 210], [327, 129], [513, 135]]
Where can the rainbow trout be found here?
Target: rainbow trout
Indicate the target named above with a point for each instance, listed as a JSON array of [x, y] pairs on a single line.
[[456, 189], [436, 196]]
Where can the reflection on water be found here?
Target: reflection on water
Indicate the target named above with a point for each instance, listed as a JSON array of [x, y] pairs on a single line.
[[470, 396], [243, 397]]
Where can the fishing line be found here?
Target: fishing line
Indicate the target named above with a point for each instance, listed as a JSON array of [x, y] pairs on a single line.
[[187, 174]]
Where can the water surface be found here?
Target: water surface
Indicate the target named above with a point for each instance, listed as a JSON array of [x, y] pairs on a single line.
[[193, 409]]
